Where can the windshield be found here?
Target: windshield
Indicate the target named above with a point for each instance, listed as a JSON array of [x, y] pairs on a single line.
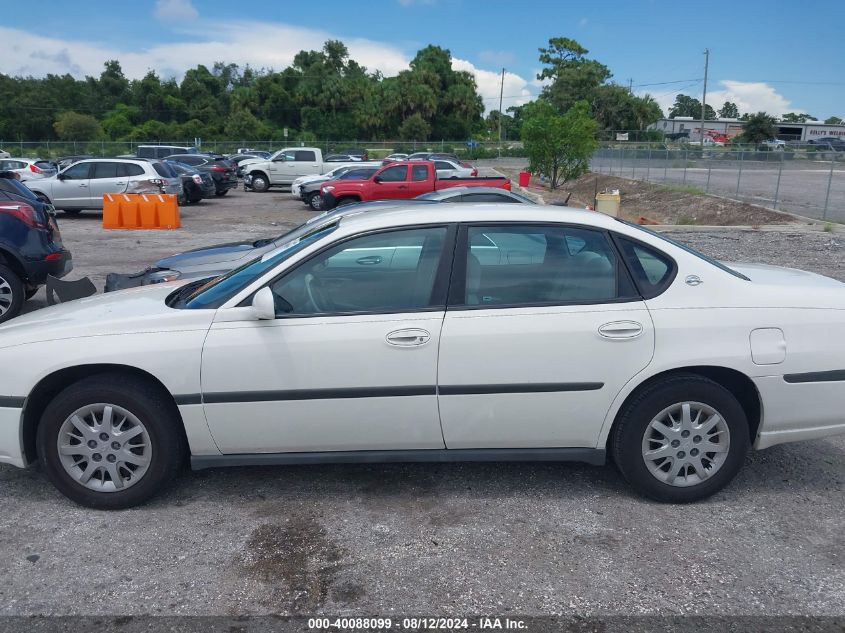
[[216, 292], [686, 248]]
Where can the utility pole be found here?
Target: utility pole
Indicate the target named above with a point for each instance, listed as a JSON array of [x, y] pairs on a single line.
[[501, 92], [631, 86], [704, 95]]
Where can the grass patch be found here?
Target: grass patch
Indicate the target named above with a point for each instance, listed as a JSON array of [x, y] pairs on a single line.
[[690, 189], [685, 220], [828, 227]]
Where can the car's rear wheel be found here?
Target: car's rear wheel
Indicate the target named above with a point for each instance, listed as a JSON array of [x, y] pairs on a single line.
[[110, 442], [12, 294], [315, 201], [260, 183], [682, 439], [222, 192]]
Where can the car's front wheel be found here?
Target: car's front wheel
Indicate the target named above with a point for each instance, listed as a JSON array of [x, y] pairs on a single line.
[[259, 183], [110, 442], [12, 294], [315, 201], [681, 439]]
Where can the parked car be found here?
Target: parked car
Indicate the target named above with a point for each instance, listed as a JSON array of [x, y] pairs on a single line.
[[163, 151], [285, 166], [4, 154], [67, 161], [310, 192], [398, 181], [475, 194], [220, 170], [358, 154], [774, 144], [453, 169], [302, 180], [569, 335], [238, 159], [252, 152], [835, 143], [196, 184], [392, 158], [30, 247], [342, 158], [29, 168], [82, 185]]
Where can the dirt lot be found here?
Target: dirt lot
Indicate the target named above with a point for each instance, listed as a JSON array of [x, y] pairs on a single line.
[[663, 204], [429, 539]]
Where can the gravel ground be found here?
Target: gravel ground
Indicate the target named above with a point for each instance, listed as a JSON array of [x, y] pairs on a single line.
[[429, 539]]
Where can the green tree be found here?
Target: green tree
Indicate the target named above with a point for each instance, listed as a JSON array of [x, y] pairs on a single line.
[[795, 117], [559, 146], [615, 108], [729, 111], [690, 106], [414, 128], [834, 120], [759, 127], [572, 76], [73, 126]]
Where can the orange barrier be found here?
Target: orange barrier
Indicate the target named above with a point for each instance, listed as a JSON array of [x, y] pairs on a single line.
[[140, 211]]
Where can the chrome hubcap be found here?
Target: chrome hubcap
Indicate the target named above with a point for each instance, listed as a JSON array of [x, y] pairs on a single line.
[[104, 447], [686, 444], [6, 296]]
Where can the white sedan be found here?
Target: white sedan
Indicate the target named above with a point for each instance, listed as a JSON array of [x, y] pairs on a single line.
[[496, 332]]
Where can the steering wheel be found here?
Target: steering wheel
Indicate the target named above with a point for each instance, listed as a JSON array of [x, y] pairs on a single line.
[[315, 293]]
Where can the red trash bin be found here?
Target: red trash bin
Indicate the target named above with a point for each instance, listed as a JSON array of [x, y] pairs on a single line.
[[524, 178]]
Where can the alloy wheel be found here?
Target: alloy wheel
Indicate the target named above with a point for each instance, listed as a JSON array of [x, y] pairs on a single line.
[[686, 444], [104, 447], [7, 296]]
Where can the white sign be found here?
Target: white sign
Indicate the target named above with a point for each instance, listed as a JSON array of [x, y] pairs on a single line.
[[285, 132], [621, 136]]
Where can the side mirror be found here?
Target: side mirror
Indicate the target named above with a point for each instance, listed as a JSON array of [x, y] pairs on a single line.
[[263, 306], [377, 179], [61, 176]]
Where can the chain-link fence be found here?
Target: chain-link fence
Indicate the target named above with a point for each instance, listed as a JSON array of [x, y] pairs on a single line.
[[808, 180], [377, 149]]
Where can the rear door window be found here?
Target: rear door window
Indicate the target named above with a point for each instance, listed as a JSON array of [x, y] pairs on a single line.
[[419, 173], [105, 170], [304, 156]]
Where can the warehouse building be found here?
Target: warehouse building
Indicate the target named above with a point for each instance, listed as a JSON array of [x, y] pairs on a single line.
[[801, 132]]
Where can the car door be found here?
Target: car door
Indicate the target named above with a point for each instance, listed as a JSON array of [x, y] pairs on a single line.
[[350, 362], [70, 189], [299, 163], [543, 329], [106, 177], [419, 181], [392, 183]]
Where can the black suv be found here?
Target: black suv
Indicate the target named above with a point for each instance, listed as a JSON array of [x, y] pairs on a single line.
[[220, 169], [30, 247]]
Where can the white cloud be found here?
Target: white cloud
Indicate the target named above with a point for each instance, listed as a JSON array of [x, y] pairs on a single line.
[[233, 42], [489, 82], [166, 10], [750, 97]]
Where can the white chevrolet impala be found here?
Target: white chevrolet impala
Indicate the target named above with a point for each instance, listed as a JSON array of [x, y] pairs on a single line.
[[427, 333]]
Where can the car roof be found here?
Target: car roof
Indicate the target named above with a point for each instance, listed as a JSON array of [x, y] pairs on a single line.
[[403, 214], [466, 189]]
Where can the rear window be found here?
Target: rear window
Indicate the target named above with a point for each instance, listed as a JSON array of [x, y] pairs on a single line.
[[131, 169], [303, 155], [164, 170], [44, 164]]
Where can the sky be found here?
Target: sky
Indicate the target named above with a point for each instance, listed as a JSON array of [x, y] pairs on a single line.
[[770, 56]]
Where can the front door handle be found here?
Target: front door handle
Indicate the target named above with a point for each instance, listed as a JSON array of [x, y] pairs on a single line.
[[409, 337], [621, 329], [369, 260], [83, 185]]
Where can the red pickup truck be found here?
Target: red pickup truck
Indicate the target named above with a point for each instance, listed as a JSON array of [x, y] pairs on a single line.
[[399, 181]]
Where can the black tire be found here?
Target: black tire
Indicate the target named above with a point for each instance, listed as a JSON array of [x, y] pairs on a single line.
[[315, 201], [260, 182], [626, 443], [42, 197], [222, 192], [344, 201], [72, 211], [30, 293], [149, 404], [12, 297]]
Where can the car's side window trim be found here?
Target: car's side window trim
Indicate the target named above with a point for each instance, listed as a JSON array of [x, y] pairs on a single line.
[[457, 289], [645, 293], [437, 300]]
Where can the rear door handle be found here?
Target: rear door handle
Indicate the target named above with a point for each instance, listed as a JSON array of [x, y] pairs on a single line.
[[621, 329], [409, 337]]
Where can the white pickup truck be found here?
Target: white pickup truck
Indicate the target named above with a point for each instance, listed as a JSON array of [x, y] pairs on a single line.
[[286, 165]]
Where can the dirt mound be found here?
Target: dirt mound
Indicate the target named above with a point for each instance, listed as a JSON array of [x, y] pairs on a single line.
[[663, 204]]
